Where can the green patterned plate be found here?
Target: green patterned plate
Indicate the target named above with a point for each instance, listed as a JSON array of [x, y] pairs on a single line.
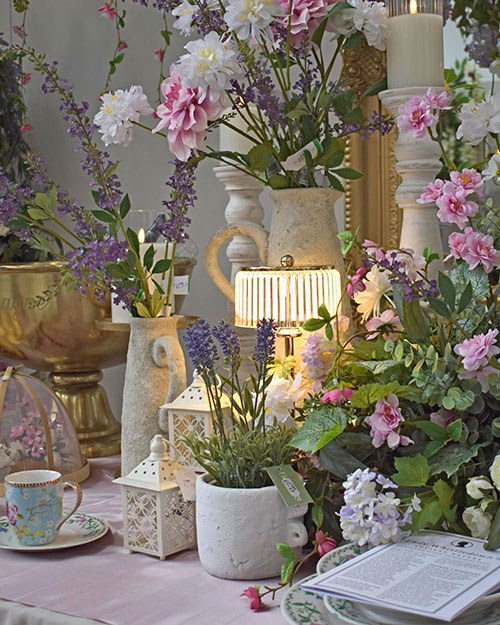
[[302, 607], [337, 556], [79, 529]]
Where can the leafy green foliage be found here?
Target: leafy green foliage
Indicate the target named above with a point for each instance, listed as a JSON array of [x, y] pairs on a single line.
[[321, 427], [411, 471]]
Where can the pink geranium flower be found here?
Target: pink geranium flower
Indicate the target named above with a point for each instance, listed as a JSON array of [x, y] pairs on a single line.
[[469, 180], [356, 284], [479, 249], [384, 421], [438, 101], [387, 318], [337, 394], [453, 206], [432, 192], [325, 543], [107, 11], [26, 128], [185, 113], [255, 601], [416, 116], [477, 351]]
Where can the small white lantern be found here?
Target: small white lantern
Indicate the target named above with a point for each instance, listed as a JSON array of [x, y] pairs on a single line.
[[156, 518], [189, 412]]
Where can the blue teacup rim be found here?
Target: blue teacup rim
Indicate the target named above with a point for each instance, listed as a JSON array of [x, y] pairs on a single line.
[[33, 478]]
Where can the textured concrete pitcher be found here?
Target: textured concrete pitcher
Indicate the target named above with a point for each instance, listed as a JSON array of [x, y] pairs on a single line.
[[303, 225], [155, 374]]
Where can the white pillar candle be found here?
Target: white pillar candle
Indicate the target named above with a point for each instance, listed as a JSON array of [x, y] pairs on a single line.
[[232, 141], [415, 50]]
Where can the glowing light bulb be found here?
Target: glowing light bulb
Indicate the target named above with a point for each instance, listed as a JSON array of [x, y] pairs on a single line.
[[141, 235], [413, 7]]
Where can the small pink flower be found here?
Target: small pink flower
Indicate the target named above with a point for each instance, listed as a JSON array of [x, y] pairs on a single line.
[[432, 192], [387, 318], [122, 46], [480, 375], [252, 592], [456, 242], [159, 54], [477, 351], [416, 116], [18, 32], [26, 78], [325, 543], [356, 284], [453, 207], [441, 101], [479, 248], [372, 249], [469, 179], [26, 128], [17, 431], [12, 511], [442, 417], [107, 11], [337, 394], [384, 421]]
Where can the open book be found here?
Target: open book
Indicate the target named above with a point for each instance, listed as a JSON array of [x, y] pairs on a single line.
[[433, 574]]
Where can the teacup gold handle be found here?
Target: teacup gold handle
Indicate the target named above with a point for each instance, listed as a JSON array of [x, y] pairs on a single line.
[[78, 492]]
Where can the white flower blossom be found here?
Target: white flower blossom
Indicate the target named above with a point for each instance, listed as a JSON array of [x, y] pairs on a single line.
[[184, 14], [495, 68], [118, 111], [377, 284], [281, 397], [478, 522], [250, 17], [476, 486], [495, 471], [493, 168], [366, 16], [5, 458], [209, 63], [478, 119]]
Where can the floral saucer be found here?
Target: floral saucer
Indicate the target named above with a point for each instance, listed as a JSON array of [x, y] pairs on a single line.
[[79, 529], [303, 607], [337, 556]]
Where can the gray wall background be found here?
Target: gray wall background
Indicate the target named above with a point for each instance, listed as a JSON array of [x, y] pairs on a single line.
[[71, 32]]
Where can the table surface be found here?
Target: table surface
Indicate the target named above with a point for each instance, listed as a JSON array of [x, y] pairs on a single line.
[[104, 582]]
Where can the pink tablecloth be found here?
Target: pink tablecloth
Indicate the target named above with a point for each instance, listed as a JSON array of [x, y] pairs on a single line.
[[103, 581]]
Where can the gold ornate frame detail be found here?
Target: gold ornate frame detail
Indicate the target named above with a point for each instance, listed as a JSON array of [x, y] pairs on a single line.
[[370, 201]]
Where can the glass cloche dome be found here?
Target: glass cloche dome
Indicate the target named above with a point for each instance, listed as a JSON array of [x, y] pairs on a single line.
[[35, 430]]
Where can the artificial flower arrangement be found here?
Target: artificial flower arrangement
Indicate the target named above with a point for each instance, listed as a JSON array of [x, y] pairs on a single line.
[[260, 70]]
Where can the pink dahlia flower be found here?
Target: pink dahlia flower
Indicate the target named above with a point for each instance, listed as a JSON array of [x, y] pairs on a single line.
[[325, 543], [384, 421], [479, 248], [469, 180], [252, 592], [456, 242], [477, 351], [439, 101], [432, 192], [185, 113], [453, 207], [416, 116], [306, 16]]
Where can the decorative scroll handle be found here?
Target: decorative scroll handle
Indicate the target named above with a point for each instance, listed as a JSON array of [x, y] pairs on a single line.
[[167, 352], [243, 228]]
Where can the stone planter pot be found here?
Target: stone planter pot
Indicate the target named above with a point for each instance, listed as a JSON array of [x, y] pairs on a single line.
[[238, 529]]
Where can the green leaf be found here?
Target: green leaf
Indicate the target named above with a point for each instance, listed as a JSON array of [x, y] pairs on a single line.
[[440, 307], [376, 88], [331, 158], [447, 290], [313, 324], [148, 258], [119, 58], [286, 551], [338, 460], [142, 310], [494, 535], [319, 32], [354, 42], [414, 320], [348, 173], [162, 265], [117, 271], [317, 515], [433, 447], [428, 515], [411, 471], [287, 571], [465, 298], [338, 7], [433, 430], [133, 240], [42, 201], [366, 395], [455, 429], [335, 182], [321, 426], [444, 493], [124, 206], [449, 76], [449, 459], [37, 214], [260, 157], [278, 181], [323, 312], [52, 200], [104, 216], [329, 331], [461, 276]]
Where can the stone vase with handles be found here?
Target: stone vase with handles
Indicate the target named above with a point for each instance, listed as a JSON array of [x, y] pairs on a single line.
[[303, 225], [238, 529], [155, 374]]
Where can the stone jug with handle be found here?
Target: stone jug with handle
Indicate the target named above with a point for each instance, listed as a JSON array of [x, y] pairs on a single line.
[[155, 374]]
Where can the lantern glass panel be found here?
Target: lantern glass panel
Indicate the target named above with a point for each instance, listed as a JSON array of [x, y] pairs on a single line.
[[142, 520]]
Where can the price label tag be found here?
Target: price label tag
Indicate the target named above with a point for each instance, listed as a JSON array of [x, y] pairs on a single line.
[[186, 479], [289, 484], [182, 285]]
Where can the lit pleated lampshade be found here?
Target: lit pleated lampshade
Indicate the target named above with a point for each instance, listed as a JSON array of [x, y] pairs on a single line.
[[289, 295]]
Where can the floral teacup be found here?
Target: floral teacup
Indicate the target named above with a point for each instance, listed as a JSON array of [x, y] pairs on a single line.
[[34, 505]]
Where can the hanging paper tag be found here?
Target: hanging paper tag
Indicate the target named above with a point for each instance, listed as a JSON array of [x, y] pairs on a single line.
[[289, 484], [298, 160], [186, 480], [182, 285]]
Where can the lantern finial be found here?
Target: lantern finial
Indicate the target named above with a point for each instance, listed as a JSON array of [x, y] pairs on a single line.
[[158, 448]]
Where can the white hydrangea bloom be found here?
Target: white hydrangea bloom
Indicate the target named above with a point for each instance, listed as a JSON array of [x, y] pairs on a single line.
[[184, 14], [250, 17], [479, 118], [281, 397], [210, 63], [118, 111]]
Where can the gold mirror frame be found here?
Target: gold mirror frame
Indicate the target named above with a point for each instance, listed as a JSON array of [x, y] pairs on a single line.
[[370, 201]]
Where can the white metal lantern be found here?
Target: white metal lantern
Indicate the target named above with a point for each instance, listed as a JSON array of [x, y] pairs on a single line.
[[189, 412], [156, 518]]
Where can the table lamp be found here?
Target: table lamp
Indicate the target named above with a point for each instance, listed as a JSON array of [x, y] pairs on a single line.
[[287, 294]]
